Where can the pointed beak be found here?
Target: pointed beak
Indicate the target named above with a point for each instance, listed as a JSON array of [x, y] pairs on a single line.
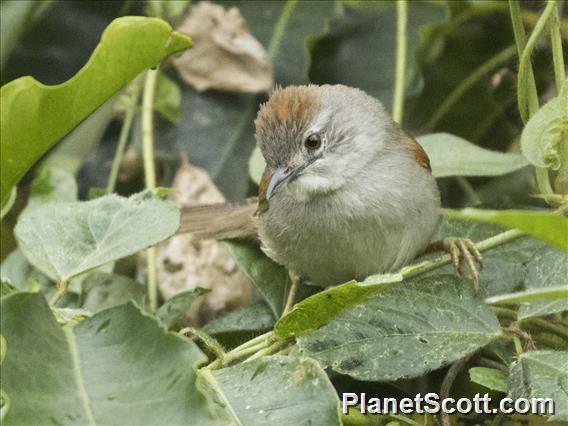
[[279, 176]]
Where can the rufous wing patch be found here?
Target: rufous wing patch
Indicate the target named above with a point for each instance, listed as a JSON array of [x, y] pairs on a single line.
[[262, 189], [419, 154]]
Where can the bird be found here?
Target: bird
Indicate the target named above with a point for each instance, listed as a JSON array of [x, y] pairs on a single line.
[[345, 193]]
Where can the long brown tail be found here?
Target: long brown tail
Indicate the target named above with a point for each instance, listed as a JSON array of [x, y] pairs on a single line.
[[220, 221]]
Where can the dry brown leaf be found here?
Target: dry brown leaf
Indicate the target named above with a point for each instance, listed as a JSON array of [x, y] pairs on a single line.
[[184, 264], [225, 55]]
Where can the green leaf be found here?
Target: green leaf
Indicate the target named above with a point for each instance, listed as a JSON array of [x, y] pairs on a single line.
[[451, 155], [247, 392], [101, 290], [491, 378], [64, 239], [168, 98], [34, 117], [548, 226], [319, 309], [98, 370], [546, 271], [378, 338], [545, 131], [175, 309], [360, 49], [542, 374], [269, 278]]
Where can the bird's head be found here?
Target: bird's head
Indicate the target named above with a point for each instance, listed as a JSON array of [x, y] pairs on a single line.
[[314, 138]]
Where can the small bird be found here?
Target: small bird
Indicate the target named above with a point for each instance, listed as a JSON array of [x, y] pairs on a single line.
[[345, 193]]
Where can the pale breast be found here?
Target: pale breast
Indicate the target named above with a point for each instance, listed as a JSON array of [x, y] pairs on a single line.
[[331, 242]]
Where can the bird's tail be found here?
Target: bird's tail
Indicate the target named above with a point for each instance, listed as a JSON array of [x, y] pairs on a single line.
[[220, 221]]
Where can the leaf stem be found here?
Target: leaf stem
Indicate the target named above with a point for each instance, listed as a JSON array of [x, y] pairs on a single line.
[[467, 83], [401, 52], [150, 173], [123, 138], [273, 348]]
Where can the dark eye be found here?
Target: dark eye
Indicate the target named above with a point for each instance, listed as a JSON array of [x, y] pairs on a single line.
[[313, 142]]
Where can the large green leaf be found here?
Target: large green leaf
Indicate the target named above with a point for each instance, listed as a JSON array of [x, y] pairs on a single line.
[[360, 49], [548, 226], [34, 116], [548, 269], [542, 374], [404, 330], [269, 278], [278, 390], [453, 156], [65, 239], [117, 367]]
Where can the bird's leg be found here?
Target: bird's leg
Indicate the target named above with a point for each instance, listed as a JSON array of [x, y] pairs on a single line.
[[463, 253], [296, 281]]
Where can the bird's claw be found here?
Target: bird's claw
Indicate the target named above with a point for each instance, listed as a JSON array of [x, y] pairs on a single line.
[[464, 253]]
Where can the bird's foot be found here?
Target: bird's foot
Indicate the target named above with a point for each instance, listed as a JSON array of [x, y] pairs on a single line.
[[464, 256]]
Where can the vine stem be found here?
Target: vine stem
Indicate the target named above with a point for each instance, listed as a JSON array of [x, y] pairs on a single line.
[[401, 51], [123, 138], [150, 173]]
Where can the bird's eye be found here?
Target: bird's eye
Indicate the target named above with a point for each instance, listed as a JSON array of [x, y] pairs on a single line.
[[313, 142]]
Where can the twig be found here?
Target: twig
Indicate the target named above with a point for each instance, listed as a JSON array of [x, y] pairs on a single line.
[[401, 52]]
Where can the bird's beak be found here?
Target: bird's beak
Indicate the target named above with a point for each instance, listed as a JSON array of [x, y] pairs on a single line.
[[279, 176]]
